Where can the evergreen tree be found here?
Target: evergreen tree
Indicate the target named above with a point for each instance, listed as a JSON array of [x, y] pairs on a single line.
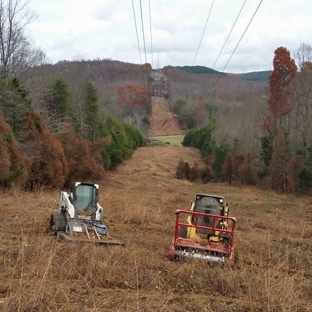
[[11, 162], [118, 148], [14, 103], [220, 153], [278, 165], [57, 98], [56, 101], [190, 138], [94, 127], [265, 155], [305, 175]]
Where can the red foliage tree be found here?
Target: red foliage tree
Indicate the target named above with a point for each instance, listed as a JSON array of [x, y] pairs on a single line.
[[206, 174], [247, 172], [194, 173], [134, 95], [180, 171], [238, 160], [81, 165], [44, 155], [294, 167], [280, 99]]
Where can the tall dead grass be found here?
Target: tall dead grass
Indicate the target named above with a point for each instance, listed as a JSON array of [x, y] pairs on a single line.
[[272, 272]]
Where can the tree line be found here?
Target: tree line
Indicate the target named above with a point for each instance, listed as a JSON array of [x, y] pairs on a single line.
[[65, 136], [65, 142], [283, 160]]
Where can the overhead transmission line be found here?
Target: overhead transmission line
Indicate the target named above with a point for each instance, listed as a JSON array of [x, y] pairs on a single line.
[[203, 32], [138, 41], [229, 34], [148, 82], [150, 18], [238, 43], [170, 46]]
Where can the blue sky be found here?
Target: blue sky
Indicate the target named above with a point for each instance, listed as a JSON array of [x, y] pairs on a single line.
[[174, 35]]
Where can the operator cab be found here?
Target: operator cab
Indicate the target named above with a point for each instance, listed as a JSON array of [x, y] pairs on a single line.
[[85, 198], [210, 204]]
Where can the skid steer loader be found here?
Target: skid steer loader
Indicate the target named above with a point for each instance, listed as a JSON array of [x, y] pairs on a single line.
[[80, 216], [206, 231]]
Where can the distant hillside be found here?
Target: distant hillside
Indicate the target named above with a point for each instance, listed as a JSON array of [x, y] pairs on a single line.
[[226, 87], [121, 86], [261, 76], [256, 76], [198, 69]]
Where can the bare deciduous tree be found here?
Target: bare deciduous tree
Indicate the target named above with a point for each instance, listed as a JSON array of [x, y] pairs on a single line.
[[302, 129], [16, 51]]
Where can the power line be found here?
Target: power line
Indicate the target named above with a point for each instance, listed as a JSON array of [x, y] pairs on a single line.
[[238, 43], [150, 18], [229, 34], [143, 31], [203, 32], [136, 29], [170, 31], [148, 82], [138, 41]]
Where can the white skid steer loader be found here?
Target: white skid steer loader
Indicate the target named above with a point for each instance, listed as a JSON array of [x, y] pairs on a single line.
[[80, 216]]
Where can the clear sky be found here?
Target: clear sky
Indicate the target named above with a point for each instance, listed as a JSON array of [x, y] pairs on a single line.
[[176, 32]]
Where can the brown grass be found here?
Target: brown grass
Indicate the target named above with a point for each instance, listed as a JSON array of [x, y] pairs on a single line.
[[273, 248]]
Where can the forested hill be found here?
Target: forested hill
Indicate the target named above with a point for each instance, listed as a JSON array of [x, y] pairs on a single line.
[[197, 69], [256, 76], [103, 108], [123, 87], [250, 76]]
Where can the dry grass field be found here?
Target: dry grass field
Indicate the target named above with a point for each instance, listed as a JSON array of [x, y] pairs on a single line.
[[273, 246]]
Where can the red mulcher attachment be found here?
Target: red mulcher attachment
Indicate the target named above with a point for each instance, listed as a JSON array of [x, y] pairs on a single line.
[[205, 236]]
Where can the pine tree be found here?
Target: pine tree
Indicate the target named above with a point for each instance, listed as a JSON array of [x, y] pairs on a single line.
[[11, 162], [278, 167], [56, 99], [92, 109], [220, 153], [14, 103]]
